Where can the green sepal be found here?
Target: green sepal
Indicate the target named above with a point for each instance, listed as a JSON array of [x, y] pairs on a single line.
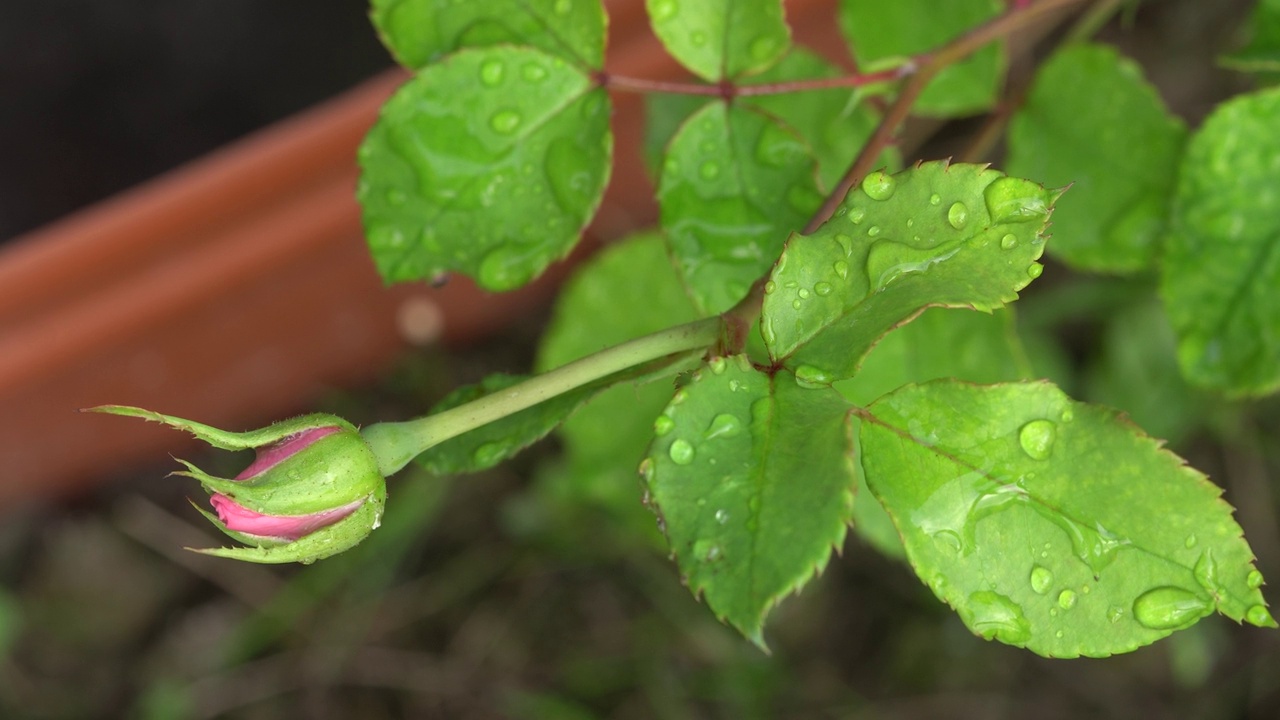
[[225, 439], [325, 542], [264, 541]]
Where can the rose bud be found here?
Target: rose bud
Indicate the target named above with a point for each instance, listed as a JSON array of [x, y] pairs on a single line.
[[313, 490]]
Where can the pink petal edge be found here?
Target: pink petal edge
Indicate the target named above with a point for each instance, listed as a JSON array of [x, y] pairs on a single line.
[[241, 519], [271, 455]]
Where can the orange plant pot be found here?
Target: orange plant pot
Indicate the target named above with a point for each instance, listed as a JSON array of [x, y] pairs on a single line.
[[238, 288]]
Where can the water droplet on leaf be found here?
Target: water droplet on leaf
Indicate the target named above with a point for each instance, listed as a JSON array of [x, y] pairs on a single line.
[[681, 452], [1168, 608], [1037, 438], [722, 516], [822, 288], [813, 377], [663, 425], [723, 425], [958, 215], [709, 170], [1190, 541], [1009, 242], [1041, 579], [1254, 580], [488, 454], [856, 215], [873, 231], [842, 269], [879, 185], [769, 287], [994, 616], [1259, 616], [663, 9], [1067, 599], [935, 199], [491, 72], [1034, 270], [533, 72], [1014, 200], [505, 121]]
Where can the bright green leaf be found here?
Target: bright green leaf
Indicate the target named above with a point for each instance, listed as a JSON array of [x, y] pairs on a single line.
[[488, 445], [871, 521], [752, 476], [628, 290], [958, 236], [419, 32], [836, 122], [1120, 156], [1222, 255], [507, 148], [940, 343], [887, 31], [1054, 525], [721, 39], [664, 113], [734, 183]]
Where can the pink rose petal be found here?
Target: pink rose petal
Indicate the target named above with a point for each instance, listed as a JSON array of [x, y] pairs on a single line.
[[271, 455], [289, 527]]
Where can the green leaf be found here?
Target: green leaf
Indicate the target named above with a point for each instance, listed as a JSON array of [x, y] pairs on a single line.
[[940, 343], [752, 476], [626, 291], [1092, 121], [871, 521], [734, 183], [1136, 371], [507, 148], [419, 32], [836, 123], [957, 236], [488, 445], [882, 33], [1262, 53], [1054, 525], [1222, 255], [721, 39]]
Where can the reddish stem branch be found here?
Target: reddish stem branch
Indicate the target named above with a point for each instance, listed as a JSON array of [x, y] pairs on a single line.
[[929, 64], [727, 89]]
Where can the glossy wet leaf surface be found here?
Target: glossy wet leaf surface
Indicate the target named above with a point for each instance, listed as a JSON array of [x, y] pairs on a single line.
[[1120, 157], [1051, 524], [958, 235], [940, 343], [508, 148], [624, 292], [752, 476], [879, 31], [419, 32], [734, 183], [490, 444], [835, 123], [720, 39], [1221, 264]]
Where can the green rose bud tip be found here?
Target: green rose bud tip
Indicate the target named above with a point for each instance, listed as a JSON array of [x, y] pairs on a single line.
[[314, 489]]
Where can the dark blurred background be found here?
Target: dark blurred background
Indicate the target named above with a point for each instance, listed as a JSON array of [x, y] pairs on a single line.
[[97, 96], [490, 596]]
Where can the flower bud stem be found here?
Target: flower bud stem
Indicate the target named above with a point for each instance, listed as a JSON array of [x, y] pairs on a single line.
[[395, 444]]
